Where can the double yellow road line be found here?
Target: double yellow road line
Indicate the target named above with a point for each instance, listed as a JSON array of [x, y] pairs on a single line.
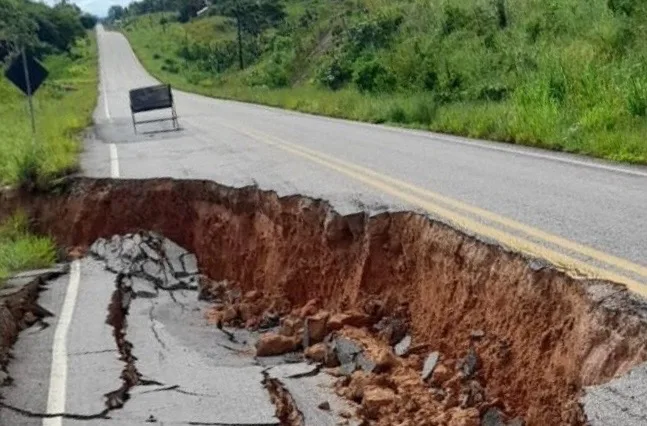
[[523, 238]]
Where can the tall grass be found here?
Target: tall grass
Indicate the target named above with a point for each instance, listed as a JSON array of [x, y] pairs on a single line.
[[21, 250], [64, 106], [567, 75]]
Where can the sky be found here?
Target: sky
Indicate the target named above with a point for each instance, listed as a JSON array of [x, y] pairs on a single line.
[[96, 7]]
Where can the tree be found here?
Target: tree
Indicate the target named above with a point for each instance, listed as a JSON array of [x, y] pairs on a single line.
[[252, 17], [189, 9], [17, 29], [115, 13], [88, 21]]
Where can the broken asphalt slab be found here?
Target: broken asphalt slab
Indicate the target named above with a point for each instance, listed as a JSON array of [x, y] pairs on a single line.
[[186, 371]]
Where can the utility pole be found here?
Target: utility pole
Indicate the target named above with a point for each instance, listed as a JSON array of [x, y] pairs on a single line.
[[240, 37]]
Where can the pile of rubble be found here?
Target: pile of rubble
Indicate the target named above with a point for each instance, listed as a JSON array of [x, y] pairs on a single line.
[[392, 380], [149, 256]]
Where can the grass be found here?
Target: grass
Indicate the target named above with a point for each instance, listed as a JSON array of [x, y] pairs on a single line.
[[567, 76], [20, 250], [64, 106]]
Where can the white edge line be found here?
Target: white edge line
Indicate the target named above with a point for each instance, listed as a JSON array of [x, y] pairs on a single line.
[[58, 374], [442, 137], [114, 161], [104, 93]]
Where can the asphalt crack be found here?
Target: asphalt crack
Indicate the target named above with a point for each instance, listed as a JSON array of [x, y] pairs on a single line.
[[72, 416], [286, 408]]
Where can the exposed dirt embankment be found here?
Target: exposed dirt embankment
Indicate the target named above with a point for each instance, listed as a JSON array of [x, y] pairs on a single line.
[[547, 334]]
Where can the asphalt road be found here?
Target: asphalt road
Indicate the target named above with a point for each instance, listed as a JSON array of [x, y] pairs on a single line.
[[574, 211]]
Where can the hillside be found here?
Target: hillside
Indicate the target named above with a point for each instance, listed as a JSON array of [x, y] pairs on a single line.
[[567, 75]]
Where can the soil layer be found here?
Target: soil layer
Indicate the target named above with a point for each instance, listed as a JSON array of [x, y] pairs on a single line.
[[546, 333]]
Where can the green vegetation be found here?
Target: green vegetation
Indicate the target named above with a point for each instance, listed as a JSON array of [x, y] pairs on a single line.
[[63, 105], [21, 250], [567, 75]]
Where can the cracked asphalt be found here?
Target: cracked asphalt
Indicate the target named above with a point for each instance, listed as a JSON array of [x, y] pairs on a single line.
[[194, 374], [186, 371]]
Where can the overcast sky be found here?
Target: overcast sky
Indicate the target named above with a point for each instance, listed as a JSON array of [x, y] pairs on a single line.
[[97, 7]]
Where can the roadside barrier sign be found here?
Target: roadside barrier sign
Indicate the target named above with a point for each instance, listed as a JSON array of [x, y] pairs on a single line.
[[152, 98]]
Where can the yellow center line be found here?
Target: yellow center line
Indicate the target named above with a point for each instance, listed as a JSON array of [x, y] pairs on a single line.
[[581, 249], [386, 184]]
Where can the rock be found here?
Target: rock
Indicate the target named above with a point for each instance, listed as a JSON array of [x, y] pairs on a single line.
[[476, 394], [290, 326], [402, 347], [251, 323], [317, 352], [153, 271], [462, 417], [248, 310], [440, 375], [252, 295], [269, 320], [358, 382], [365, 363], [98, 248], [470, 364], [430, 365], [270, 344], [375, 398], [324, 406], [348, 368], [454, 383], [477, 334], [385, 360], [229, 314], [129, 249], [392, 330], [346, 350], [353, 319], [315, 328], [190, 263], [492, 417], [309, 308]]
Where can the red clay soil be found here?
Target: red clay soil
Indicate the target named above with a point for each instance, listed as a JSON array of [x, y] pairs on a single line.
[[547, 334]]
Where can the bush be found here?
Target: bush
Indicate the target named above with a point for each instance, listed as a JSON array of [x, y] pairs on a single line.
[[334, 74], [171, 66], [371, 76], [626, 7], [637, 99]]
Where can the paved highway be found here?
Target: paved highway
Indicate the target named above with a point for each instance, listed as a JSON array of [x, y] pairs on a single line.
[[576, 212]]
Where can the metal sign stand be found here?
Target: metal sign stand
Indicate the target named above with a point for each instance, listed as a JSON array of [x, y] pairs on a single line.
[[29, 95]]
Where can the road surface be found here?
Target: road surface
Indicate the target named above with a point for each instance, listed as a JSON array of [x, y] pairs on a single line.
[[572, 210], [576, 212]]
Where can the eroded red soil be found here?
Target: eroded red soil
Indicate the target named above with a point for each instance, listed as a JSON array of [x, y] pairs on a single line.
[[546, 334]]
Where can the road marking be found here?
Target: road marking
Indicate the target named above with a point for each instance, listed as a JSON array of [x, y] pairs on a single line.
[[571, 265], [114, 161], [58, 373], [489, 145], [103, 82], [493, 217]]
